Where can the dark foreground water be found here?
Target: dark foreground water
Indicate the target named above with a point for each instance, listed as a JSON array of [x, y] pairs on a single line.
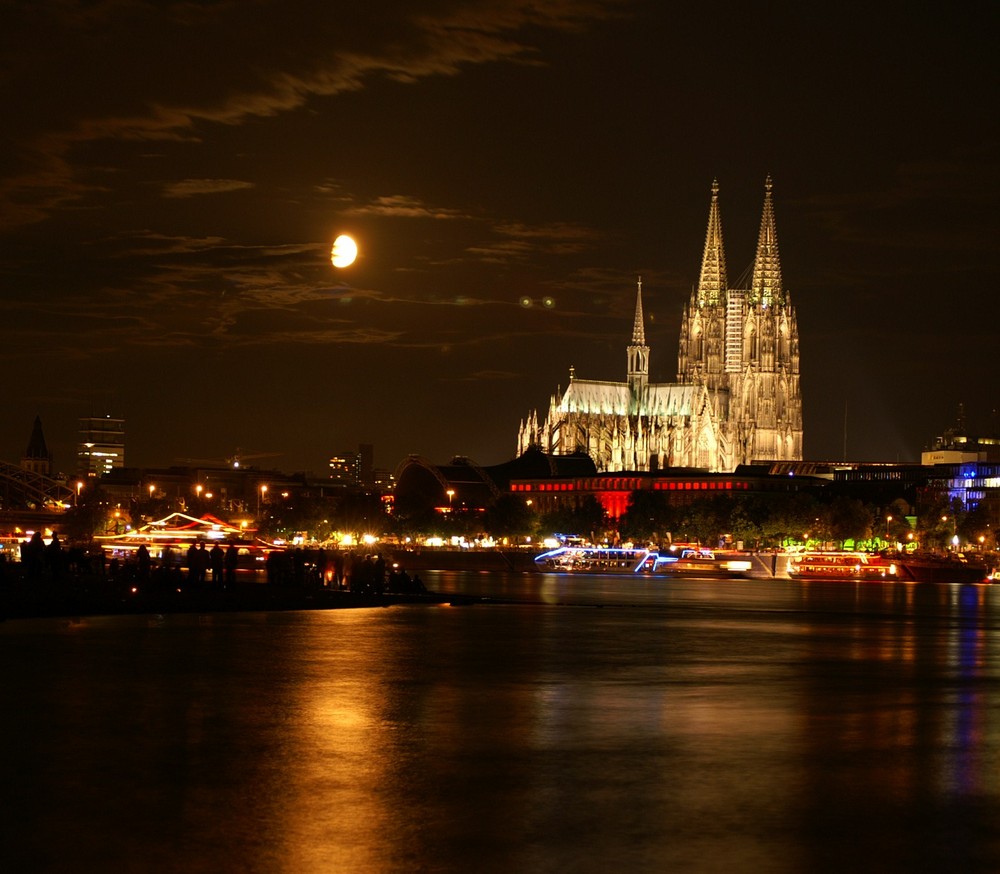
[[595, 724]]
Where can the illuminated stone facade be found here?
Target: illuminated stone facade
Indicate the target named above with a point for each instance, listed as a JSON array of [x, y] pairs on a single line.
[[736, 400]]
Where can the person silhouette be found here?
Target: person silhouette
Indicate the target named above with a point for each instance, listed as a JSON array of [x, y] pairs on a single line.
[[144, 561], [231, 563]]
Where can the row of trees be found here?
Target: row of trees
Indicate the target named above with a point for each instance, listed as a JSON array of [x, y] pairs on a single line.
[[758, 520]]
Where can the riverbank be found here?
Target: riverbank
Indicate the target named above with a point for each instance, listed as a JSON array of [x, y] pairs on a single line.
[[515, 561], [20, 601]]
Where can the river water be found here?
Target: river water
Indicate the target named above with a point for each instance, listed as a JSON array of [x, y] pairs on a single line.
[[576, 725]]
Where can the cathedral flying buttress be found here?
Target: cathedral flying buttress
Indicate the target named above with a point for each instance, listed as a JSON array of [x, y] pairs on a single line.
[[737, 398]]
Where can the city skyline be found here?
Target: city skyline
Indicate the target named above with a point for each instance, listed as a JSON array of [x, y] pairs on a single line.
[[174, 177]]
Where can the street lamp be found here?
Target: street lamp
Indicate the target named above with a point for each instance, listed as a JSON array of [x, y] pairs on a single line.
[[260, 496], [451, 494]]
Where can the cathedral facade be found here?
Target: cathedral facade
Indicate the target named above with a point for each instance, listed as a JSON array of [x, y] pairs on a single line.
[[736, 400]]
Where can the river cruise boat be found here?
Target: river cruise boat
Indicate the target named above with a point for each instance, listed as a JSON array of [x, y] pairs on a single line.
[[848, 566], [689, 561], [593, 560], [918, 567], [928, 567], [697, 561]]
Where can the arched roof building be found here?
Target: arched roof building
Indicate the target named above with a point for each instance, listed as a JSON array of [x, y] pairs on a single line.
[[421, 484]]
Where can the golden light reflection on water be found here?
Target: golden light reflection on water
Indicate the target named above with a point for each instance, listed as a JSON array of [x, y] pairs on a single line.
[[336, 748], [514, 737]]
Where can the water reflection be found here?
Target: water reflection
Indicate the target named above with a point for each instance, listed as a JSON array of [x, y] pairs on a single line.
[[701, 726]]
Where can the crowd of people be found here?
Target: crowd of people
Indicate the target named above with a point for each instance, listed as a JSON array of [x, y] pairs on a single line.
[[208, 565], [339, 570]]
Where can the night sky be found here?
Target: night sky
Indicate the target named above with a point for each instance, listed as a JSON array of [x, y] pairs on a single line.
[[172, 176]]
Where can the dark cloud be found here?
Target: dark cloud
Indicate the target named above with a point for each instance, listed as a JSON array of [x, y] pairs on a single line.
[[402, 206], [196, 187]]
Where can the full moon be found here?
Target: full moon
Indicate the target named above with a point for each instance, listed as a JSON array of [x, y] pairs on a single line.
[[344, 251]]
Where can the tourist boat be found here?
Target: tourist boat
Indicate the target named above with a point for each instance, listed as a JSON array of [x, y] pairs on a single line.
[[593, 560], [688, 561], [928, 567], [848, 566], [917, 567], [696, 561]]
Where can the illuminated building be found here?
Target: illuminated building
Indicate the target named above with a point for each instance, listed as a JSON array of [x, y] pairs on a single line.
[[345, 469], [966, 468], [101, 447], [957, 446], [737, 398], [355, 468], [613, 490]]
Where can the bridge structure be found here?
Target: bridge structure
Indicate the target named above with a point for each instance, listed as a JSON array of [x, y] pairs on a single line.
[[31, 499]]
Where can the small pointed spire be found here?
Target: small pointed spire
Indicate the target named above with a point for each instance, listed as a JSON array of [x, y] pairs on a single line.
[[766, 287], [638, 331], [638, 351], [713, 282], [36, 443]]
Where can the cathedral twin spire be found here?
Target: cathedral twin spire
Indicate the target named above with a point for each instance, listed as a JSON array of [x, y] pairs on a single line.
[[766, 287], [712, 284]]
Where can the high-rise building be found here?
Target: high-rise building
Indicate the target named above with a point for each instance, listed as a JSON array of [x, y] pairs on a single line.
[[366, 464], [354, 467], [737, 397], [345, 468], [101, 447]]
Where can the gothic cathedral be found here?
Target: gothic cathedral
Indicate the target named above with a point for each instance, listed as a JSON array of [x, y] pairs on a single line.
[[736, 399]]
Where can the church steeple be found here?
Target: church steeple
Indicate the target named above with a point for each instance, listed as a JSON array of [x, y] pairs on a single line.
[[37, 457], [638, 331], [766, 288], [638, 352], [712, 284]]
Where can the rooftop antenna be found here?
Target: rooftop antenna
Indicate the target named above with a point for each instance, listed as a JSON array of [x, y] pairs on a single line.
[[845, 429]]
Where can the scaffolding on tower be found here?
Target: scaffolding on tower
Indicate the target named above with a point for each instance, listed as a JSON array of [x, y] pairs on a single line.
[[734, 330]]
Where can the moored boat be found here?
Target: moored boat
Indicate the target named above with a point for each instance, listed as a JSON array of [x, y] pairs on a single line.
[[690, 562], [915, 567], [846, 566], [928, 567], [696, 562], [593, 559]]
